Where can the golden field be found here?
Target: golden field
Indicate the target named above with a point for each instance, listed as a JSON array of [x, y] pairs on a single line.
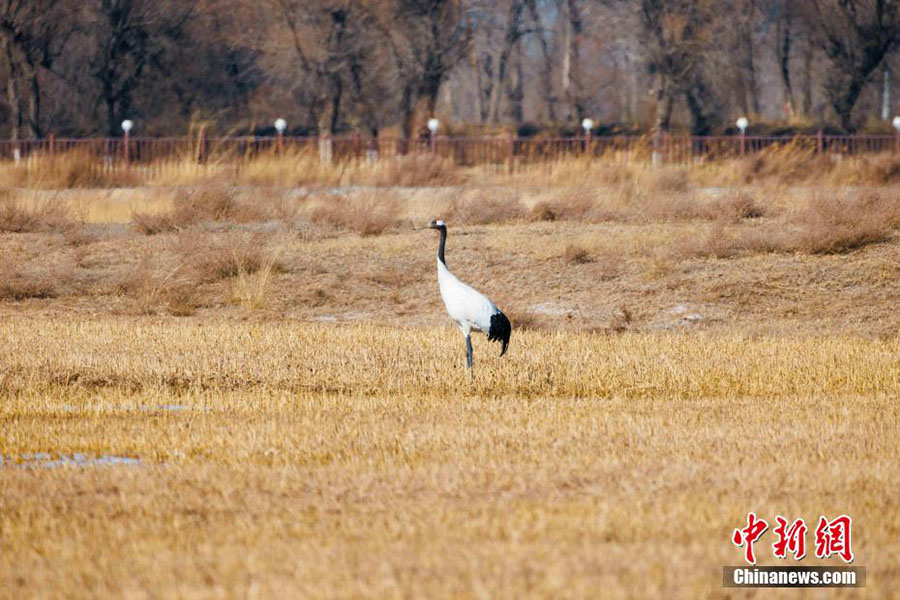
[[286, 459], [263, 397]]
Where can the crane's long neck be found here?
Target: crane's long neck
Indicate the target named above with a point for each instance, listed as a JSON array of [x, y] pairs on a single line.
[[441, 247]]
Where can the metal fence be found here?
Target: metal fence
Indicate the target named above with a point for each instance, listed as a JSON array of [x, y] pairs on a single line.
[[499, 151]]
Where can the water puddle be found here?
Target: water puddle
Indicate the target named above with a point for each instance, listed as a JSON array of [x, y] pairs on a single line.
[[46, 460]]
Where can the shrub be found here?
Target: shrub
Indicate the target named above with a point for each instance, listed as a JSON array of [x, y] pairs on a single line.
[[370, 215], [735, 207], [212, 257], [544, 211], [483, 210], [152, 285], [830, 224], [18, 285], [668, 180], [192, 207], [48, 215], [412, 170], [576, 255], [573, 206]]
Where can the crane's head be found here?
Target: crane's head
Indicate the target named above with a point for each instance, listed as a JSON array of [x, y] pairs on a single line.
[[437, 225]]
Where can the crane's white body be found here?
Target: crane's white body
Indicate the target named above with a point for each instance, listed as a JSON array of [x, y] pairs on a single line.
[[468, 308]]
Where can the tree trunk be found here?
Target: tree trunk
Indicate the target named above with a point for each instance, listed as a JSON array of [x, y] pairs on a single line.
[[407, 102], [547, 69], [501, 79], [665, 99], [337, 91], [701, 105], [515, 90], [750, 65], [844, 100], [807, 78], [426, 103], [497, 75], [111, 129], [480, 108], [34, 105], [783, 52], [571, 59], [12, 93]]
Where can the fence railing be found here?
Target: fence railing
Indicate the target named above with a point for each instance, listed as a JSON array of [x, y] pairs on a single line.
[[499, 151]]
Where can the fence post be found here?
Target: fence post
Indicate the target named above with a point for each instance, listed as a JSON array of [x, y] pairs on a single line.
[[897, 141], [510, 152], [743, 143], [820, 143], [52, 143], [127, 149]]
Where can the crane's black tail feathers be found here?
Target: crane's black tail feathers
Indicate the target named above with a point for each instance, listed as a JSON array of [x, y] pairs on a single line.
[[500, 330]]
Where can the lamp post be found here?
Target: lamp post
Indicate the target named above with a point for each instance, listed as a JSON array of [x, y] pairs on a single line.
[[127, 125], [433, 125], [587, 125], [280, 126], [742, 124], [896, 124]]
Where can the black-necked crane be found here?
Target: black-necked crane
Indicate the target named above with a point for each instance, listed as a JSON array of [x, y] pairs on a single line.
[[468, 308]]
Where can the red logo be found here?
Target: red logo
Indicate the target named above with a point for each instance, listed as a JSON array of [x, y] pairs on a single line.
[[832, 537], [748, 535], [790, 539]]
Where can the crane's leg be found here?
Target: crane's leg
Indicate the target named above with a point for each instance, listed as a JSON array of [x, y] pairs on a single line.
[[469, 351]]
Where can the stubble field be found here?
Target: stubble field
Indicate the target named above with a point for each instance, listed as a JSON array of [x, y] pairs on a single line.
[[240, 404]]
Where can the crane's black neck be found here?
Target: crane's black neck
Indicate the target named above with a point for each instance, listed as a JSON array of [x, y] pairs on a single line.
[[443, 230]]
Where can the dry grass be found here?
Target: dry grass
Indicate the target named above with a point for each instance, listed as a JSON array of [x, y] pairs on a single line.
[[324, 461], [72, 169], [18, 284], [576, 255], [196, 206], [831, 224], [483, 209], [412, 170], [304, 168], [156, 285], [51, 214], [252, 285], [712, 246], [678, 359], [792, 164], [210, 257], [373, 214]]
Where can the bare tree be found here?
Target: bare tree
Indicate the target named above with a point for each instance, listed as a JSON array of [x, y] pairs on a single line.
[[678, 38], [855, 36], [549, 90], [429, 38], [784, 38], [131, 36], [33, 34]]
